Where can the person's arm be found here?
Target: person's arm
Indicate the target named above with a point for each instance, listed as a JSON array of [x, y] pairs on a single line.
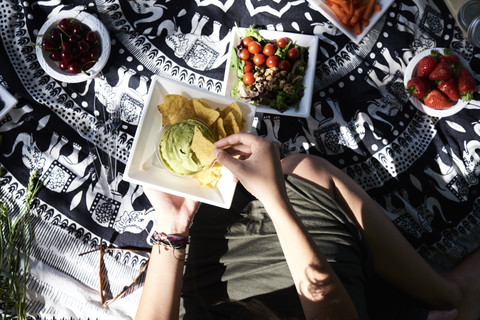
[[259, 170], [320, 290], [163, 283], [395, 260]]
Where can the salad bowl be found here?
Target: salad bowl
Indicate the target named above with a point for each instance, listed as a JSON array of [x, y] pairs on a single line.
[[232, 81]]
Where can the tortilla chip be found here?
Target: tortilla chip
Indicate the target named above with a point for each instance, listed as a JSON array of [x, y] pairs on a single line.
[[218, 129], [174, 108], [204, 112], [202, 147], [230, 123], [234, 108], [211, 176]]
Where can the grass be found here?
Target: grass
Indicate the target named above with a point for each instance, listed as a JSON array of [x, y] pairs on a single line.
[[16, 236]]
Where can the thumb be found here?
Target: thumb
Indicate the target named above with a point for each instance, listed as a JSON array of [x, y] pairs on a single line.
[[225, 159]]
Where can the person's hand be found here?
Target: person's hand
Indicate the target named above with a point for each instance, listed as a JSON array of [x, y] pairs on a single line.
[[174, 213], [258, 166]]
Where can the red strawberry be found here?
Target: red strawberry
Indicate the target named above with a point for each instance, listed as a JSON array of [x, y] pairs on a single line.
[[437, 100], [426, 65], [450, 58], [466, 84], [442, 71], [418, 87], [450, 88]]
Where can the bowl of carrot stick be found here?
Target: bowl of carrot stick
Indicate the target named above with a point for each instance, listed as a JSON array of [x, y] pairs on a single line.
[[354, 18]]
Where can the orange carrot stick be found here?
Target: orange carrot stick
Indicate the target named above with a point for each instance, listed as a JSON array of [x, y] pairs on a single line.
[[369, 10], [357, 15], [338, 12], [365, 23], [357, 28], [337, 2]]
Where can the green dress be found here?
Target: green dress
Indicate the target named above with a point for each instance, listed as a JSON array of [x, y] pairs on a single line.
[[235, 254]]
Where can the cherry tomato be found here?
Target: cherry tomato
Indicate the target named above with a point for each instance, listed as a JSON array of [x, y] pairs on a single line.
[[244, 54], [248, 66], [248, 78], [293, 54], [246, 41], [269, 50], [254, 47], [272, 61], [282, 42], [259, 59], [284, 65]]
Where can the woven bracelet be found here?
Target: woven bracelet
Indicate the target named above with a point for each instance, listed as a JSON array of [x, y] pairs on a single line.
[[170, 238], [170, 241]]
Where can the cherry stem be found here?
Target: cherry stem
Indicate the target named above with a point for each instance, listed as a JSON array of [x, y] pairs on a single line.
[[75, 18], [63, 31]]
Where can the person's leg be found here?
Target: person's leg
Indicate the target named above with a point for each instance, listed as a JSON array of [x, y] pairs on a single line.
[[394, 258], [467, 274]]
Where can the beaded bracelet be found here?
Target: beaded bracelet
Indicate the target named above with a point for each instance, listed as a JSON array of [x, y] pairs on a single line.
[[171, 241]]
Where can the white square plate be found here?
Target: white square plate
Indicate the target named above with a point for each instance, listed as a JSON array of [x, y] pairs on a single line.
[[328, 13], [7, 101], [300, 39], [143, 166]]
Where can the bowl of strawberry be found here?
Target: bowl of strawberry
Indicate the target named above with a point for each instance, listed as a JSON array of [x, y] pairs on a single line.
[[439, 82], [73, 46]]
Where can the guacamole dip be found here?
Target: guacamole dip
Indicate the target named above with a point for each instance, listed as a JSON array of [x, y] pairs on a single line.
[[174, 147]]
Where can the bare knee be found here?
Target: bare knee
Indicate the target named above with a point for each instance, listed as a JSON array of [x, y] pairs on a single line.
[[297, 161], [312, 168], [290, 162]]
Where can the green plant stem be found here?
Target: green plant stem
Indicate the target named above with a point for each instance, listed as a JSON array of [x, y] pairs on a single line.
[[16, 236]]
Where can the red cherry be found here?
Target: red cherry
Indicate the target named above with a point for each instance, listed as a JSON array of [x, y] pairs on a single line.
[[56, 55], [65, 25], [91, 36], [67, 55], [55, 34], [94, 53], [74, 38], [74, 68], [63, 64], [65, 46], [47, 44], [83, 46], [86, 63], [79, 29]]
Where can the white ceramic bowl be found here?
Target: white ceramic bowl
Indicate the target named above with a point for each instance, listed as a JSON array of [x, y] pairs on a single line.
[[144, 166], [411, 71], [51, 67]]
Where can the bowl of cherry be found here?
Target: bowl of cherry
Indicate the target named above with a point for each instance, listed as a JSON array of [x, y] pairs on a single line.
[[73, 46]]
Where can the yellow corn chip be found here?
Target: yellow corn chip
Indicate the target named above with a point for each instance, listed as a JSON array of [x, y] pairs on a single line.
[[219, 129], [204, 112], [210, 177], [174, 108], [230, 123], [234, 108], [202, 147]]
